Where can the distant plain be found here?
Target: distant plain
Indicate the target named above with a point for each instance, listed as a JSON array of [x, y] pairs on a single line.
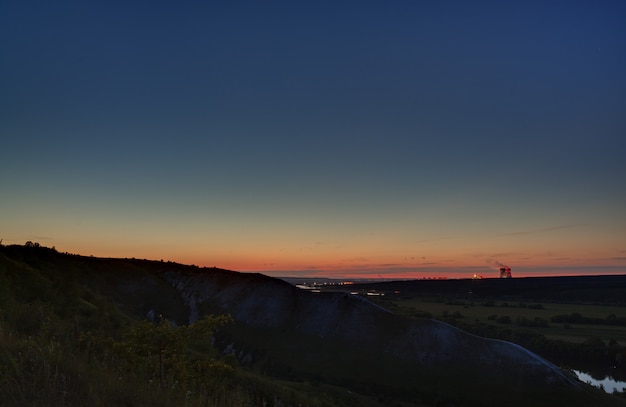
[[471, 312]]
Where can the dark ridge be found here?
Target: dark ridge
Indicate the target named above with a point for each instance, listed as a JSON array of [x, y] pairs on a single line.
[[605, 289], [284, 333]]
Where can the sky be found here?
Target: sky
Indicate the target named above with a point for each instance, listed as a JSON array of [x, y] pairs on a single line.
[[402, 139]]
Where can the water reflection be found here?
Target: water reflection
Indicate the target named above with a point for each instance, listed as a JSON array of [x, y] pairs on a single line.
[[608, 384]]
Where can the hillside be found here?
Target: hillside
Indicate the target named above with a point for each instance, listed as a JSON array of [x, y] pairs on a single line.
[[290, 345]]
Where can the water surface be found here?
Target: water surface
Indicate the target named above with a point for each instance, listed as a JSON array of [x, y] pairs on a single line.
[[608, 384]]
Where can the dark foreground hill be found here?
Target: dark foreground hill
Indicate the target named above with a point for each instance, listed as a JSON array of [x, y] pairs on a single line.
[[335, 348]]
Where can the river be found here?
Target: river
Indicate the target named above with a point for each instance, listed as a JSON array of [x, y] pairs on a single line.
[[608, 384]]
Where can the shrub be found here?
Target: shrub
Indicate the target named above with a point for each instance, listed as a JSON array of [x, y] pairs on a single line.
[[533, 323], [504, 320]]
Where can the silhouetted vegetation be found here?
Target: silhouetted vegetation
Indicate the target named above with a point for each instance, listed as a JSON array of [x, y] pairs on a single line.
[[63, 343], [576, 318], [78, 330]]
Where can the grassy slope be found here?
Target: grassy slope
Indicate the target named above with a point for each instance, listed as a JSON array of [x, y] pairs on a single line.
[[49, 301], [286, 355], [64, 317], [64, 322]]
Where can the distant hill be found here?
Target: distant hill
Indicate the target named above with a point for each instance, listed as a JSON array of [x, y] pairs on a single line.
[[328, 339], [601, 289]]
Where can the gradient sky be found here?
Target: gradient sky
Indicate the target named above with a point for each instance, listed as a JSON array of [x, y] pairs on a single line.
[[405, 138]]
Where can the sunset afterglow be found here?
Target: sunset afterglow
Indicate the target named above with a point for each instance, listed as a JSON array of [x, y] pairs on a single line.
[[358, 140]]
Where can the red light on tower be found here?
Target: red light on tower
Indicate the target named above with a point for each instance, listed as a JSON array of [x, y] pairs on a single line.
[[505, 272]]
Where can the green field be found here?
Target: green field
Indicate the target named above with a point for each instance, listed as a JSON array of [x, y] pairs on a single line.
[[469, 312]]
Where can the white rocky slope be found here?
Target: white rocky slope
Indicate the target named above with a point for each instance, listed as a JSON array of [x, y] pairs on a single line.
[[261, 301]]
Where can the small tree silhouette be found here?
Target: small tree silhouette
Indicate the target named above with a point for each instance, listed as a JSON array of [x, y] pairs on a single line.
[[159, 349]]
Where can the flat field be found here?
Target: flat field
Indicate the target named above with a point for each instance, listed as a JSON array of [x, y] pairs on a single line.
[[496, 313]]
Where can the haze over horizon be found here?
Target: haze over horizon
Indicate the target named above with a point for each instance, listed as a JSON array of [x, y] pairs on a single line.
[[353, 139]]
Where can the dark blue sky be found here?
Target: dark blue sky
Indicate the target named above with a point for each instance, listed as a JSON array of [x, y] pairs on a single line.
[[321, 136]]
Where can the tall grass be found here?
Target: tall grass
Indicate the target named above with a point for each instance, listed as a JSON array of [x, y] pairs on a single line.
[[63, 344], [41, 370], [70, 335]]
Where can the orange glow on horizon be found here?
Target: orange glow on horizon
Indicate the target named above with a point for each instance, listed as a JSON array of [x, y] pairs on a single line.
[[358, 263]]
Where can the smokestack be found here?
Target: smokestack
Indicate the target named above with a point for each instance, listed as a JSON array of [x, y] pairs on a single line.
[[505, 272]]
